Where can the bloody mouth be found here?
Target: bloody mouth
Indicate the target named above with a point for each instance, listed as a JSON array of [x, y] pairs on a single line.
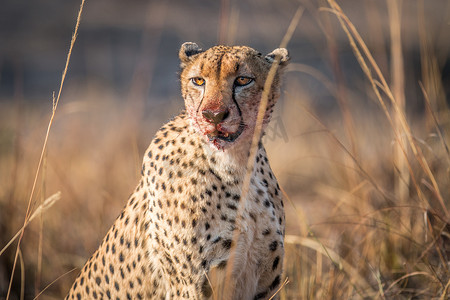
[[225, 136]]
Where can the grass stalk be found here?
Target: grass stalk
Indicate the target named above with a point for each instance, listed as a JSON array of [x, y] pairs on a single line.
[[49, 285], [338, 261], [44, 147], [40, 210], [398, 90], [22, 276], [41, 230], [353, 36]]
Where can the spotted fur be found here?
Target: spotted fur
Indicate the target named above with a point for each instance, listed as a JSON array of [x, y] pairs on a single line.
[[174, 237]]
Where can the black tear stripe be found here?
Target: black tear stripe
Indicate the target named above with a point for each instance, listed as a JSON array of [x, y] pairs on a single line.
[[233, 96]]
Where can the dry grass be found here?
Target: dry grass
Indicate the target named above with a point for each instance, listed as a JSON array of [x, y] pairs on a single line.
[[368, 184]]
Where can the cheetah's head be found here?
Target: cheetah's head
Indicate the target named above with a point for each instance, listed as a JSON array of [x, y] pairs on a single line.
[[222, 89]]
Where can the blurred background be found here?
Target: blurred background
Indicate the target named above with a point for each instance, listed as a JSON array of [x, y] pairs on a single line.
[[370, 189]]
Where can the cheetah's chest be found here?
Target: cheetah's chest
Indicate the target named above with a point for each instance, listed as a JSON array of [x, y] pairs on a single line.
[[195, 206]]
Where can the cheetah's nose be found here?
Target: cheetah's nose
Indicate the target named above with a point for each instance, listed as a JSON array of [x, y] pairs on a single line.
[[215, 117]]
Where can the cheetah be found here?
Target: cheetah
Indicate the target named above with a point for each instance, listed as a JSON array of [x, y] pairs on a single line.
[[175, 237]]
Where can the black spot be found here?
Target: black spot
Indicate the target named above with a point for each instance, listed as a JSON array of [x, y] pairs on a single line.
[[222, 264], [206, 289], [260, 296], [273, 246], [275, 283], [275, 263], [231, 206], [227, 244]]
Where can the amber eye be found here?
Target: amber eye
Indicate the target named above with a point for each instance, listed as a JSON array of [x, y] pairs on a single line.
[[198, 81], [241, 81]]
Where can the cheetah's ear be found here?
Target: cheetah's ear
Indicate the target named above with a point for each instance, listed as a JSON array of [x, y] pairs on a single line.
[[188, 50], [281, 53]]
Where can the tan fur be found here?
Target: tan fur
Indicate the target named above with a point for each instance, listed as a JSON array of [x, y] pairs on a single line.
[[177, 227]]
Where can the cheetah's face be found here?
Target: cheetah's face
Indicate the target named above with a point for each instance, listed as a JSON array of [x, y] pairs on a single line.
[[222, 89]]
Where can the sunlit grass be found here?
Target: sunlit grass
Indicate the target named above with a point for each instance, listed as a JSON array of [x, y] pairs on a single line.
[[368, 189]]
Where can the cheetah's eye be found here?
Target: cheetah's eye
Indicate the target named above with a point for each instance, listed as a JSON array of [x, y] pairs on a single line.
[[198, 81], [241, 81]]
